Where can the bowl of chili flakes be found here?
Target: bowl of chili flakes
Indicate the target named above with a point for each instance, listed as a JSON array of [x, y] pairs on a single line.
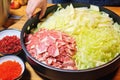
[[10, 42]]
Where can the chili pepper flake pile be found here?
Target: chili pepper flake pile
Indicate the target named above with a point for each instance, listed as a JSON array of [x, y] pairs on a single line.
[[10, 44], [10, 70]]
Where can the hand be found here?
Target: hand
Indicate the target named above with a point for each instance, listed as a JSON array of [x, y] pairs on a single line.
[[33, 4]]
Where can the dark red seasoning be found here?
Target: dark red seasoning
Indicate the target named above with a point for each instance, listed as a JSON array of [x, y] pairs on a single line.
[[10, 70], [53, 48], [10, 44]]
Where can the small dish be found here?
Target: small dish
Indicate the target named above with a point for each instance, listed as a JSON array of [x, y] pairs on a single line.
[[10, 42], [15, 66]]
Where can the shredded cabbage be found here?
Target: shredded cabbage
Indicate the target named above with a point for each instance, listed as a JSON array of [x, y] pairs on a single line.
[[96, 34]]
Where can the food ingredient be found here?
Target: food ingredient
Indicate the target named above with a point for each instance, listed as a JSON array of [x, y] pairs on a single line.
[[52, 47], [10, 44], [97, 35], [15, 4], [10, 70]]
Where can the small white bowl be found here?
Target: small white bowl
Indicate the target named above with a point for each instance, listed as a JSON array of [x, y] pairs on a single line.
[[10, 32], [14, 58]]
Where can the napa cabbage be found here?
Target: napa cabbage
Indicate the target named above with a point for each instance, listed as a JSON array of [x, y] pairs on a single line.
[[97, 35]]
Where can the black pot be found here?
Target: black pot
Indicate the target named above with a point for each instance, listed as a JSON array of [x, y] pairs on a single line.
[[59, 74]]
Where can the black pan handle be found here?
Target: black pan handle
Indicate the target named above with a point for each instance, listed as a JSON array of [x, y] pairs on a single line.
[[34, 20]]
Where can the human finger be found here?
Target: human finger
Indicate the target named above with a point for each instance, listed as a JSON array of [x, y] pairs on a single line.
[[43, 10], [30, 8]]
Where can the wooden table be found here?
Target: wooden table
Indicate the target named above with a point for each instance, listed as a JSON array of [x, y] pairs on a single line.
[[30, 74]]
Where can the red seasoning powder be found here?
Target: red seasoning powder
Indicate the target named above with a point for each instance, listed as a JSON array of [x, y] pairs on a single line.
[[10, 44], [10, 70]]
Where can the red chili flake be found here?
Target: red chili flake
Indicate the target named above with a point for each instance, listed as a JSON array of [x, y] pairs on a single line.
[[10, 44], [10, 70]]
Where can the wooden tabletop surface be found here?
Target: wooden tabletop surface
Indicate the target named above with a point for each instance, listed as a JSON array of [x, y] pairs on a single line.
[[30, 74]]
